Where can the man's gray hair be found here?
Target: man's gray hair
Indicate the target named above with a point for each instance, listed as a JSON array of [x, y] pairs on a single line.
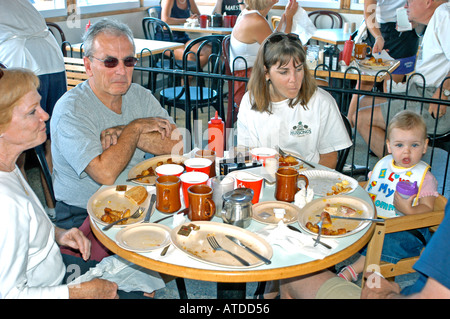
[[105, 25]]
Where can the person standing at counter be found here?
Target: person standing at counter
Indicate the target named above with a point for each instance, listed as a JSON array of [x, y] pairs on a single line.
[[229, 7]]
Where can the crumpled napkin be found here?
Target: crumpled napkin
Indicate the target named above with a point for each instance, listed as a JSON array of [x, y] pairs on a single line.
[[128, 276], [303, 196], [294, 242]]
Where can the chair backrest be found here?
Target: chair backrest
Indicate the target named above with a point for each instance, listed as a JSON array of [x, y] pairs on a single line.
[[318, 17], [155, 12], [40, 153], [343, 154], [58, 34], [75, 72], [226, 53], [215, 41], [275, 20], [156, 29]]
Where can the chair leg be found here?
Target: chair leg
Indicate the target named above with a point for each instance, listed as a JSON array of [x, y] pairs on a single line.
[[181, 287]]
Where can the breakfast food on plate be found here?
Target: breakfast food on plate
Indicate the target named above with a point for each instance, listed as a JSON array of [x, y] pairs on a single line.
[[340, 187], [372, 61], [111, 215], [287, 161], [339, 227], [150, 171], [137, 194]]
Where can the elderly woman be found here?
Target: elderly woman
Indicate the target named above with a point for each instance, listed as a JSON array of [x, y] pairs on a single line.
[[250, 31], [31, 265], [284, 107]]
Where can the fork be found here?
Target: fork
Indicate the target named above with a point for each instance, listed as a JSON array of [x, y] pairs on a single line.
[[215, 245], [136, 214], [320, 231], [284, 154]]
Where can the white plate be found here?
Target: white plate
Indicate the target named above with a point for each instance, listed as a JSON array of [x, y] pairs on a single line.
[[109, 197], [321, 181], [152, 162], [143, 237], [197, 247], [387, 64], [264, 212], [309, 211]]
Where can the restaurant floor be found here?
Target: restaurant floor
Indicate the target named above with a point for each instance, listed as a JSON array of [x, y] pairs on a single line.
[[207, 290]]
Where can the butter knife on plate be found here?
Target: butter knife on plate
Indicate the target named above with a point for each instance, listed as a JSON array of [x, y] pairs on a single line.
[[151, 208], [377, 220], [254, 253]]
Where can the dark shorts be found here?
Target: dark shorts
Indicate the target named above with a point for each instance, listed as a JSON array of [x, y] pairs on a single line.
[[67, 216], [400, 44]]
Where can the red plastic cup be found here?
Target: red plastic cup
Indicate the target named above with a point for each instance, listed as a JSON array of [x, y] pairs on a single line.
[[189, 179], [233, 20], [198, 164], [227, 20], [262, 153], [246, 180], [204, 21], [169, 169]]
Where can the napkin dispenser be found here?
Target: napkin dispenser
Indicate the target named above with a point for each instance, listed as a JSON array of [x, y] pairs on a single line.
[[228, 165]]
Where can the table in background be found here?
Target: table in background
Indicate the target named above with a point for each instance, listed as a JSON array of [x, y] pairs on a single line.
[[331, 36], [210, 30], [147, 47], [282, 266]]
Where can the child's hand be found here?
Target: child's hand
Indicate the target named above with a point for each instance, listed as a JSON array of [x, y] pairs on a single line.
[[403, 205]]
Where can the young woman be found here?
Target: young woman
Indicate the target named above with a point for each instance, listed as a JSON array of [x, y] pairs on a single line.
[[284, 107]]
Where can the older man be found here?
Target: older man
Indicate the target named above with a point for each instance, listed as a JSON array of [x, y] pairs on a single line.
[[104, 125], [433, 63]]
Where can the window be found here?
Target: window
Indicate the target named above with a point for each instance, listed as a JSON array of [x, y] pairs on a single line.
[[50, 8], [330, 4], [93, 6]]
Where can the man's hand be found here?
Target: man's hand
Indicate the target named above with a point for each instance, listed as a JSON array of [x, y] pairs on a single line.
[[110, 136], [377, 287], [154, 124], [74, 238]]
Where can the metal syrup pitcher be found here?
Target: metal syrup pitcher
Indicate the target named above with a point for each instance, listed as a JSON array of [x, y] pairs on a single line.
[[237, 207]]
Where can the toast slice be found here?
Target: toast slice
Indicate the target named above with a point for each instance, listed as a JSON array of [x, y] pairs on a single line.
[[137, 194]]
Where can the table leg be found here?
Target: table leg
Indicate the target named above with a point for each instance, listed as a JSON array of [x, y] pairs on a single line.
[[231, 290]]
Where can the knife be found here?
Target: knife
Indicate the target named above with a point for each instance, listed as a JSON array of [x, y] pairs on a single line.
[[151, 207], [378, 220], [254, 253], [183, 211], [298, 230]]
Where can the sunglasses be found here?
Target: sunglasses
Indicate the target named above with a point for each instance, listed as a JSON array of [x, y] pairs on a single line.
[[112, 62], [277, 37]]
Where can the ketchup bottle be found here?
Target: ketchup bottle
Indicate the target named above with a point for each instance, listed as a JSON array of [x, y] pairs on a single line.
[[216, 136]]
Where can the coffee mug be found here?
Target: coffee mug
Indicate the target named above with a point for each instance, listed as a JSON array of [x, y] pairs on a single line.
[[201, 205], [189, 179], [211, 155], [169, 169], [361, 50], [286, 184], [168, 194]]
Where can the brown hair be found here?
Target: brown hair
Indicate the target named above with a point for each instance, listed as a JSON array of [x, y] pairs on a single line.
[[407, 120], [278, 49], [14, 84]]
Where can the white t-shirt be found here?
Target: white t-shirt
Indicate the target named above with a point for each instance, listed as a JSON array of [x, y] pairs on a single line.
[[31, 264], [25, 40], [386, 10], [317, 130], [434, 60]]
